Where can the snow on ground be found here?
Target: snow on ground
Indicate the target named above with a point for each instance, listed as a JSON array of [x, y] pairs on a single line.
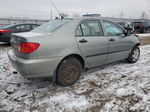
[[115, 87], [143, 35]]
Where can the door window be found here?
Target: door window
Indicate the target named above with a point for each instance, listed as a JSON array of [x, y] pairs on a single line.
[[89, 28], [112, 29], [23, 27]]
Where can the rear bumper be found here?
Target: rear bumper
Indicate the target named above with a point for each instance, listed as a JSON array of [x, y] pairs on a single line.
[[34, 68]]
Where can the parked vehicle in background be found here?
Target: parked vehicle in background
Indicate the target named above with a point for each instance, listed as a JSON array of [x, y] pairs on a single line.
[[147, 26], [126, 26], [62, 49], [141, 27], [5, 32], [92, 15]]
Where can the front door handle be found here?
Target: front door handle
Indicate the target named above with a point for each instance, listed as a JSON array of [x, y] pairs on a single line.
[[83, 41], [112, 39]]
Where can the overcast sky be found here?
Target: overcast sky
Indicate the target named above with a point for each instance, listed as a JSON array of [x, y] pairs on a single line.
[[41, 8]]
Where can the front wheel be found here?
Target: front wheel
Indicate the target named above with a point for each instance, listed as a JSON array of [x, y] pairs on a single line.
[[69, 72], [134, 55]]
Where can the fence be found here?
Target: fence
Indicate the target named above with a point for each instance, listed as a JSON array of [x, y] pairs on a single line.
[[126, 19], [5, 22]]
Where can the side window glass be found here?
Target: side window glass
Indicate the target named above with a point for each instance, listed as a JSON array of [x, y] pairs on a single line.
[[18, 27], [27, 27], [86, 29], [23, 27], [112, 29], [90, 28], [79, 31]]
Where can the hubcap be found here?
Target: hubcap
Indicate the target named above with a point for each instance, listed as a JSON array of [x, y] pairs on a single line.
[[135, 54], [70, 72]]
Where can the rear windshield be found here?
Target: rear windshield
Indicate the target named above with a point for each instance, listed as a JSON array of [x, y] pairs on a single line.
[[50, 26], [8, 26]]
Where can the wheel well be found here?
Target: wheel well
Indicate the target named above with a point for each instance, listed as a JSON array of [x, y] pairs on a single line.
[[137, 44], [77, 57], [81, 60]]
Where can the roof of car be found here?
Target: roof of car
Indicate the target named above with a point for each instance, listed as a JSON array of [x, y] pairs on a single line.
[[26, 24], [86, 18]]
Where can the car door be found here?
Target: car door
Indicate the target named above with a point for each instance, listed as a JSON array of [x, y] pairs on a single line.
[[92, 42], [119, 44]]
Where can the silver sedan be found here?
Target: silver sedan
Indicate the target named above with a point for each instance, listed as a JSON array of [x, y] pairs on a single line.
[[63, 48]]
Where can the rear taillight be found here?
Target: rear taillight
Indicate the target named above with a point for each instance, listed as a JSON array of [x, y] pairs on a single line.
[[28, 47], [4, 31], [141, 25]]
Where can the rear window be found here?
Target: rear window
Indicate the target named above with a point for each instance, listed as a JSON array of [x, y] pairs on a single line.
[[8, 26], [50, 26]]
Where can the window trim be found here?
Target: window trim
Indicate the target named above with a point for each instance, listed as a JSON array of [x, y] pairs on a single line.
[[79, 25]]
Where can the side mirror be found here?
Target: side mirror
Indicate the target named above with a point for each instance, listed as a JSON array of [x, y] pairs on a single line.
[[127, 32]]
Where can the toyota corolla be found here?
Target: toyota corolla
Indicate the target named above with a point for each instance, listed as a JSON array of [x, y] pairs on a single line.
[[63, 48]]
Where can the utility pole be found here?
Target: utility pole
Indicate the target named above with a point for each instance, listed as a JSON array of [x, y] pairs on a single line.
[[121, 14], [51, 14], [144, 15]]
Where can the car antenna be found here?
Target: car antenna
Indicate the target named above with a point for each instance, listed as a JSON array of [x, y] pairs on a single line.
[[62, 17]]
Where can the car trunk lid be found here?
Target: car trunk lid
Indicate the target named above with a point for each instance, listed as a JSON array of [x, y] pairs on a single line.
[[17, 39]]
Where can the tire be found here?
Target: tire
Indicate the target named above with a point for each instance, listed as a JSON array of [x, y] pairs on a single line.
[[134, 55], [68, 72]]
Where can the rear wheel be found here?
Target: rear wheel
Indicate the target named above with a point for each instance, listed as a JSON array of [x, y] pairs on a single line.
[[134, 55], [69, 72]]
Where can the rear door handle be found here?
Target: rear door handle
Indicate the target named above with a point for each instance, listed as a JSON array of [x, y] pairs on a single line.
[[112, 39], [83, 41]]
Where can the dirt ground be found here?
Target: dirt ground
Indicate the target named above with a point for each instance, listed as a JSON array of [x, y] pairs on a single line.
[[145, 40], [4, 45]]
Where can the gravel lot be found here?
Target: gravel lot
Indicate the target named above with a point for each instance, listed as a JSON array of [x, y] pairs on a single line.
[[4, 46], [117, 87]]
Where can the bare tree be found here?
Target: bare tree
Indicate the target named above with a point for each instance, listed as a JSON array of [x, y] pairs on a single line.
[[144, 15], [51, 14]]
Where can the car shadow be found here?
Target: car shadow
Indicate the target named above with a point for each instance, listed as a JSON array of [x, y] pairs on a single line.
[[88, 71], [3, 44], [48, 82]]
